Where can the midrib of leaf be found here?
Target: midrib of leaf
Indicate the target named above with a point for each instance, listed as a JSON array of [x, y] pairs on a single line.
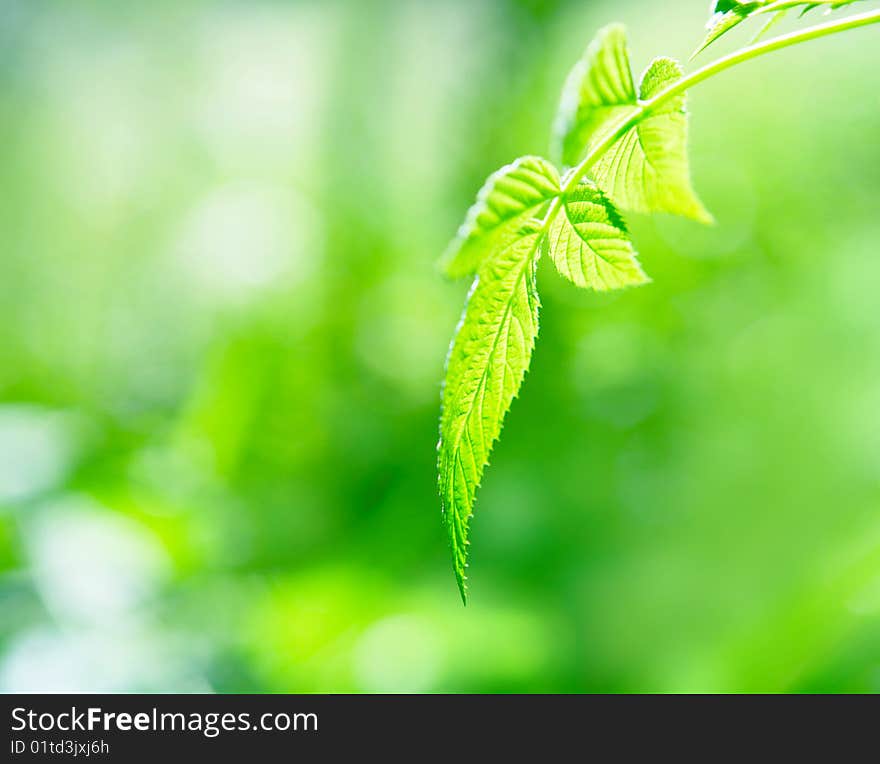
[[571, 231], [578, 263], [481, 385]]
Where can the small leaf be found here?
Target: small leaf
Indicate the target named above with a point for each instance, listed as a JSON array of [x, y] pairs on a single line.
[[723, 6], [599, 91], [726, 17], [729, 13], [589, 243], [775, 19], [829, 5], [485, 368], [647, 170], [510, 197]]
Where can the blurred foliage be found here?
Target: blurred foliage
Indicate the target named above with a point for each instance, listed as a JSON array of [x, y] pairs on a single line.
[[222, 337]]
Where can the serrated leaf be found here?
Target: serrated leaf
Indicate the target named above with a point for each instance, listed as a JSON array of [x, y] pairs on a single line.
[[726, 17], [829, 5], [647, 170], [510, 197], [589, 243], [599, 92], [485, 368], [730, 13]]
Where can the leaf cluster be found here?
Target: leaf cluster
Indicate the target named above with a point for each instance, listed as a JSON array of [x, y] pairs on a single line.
[[727, 14], [617, 147]]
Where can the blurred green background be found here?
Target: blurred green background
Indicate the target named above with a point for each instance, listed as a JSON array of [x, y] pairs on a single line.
[[222, 337]]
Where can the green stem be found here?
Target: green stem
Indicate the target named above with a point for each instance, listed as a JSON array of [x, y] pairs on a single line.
[[701, 75]]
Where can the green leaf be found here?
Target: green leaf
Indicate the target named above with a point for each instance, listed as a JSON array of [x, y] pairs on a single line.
[[508, 199], [589, 243], [829, 5], [728, 14], [775, 19], [485, 368], [599, 92], [647, 169]]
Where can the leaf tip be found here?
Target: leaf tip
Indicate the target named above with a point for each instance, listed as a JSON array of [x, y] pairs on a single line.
[[702, 215], [641, 279]]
